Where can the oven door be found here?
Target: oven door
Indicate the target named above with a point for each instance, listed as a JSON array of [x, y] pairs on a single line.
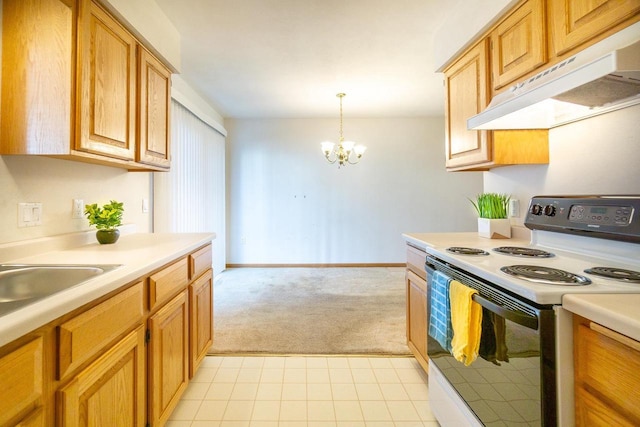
[[512, 383]]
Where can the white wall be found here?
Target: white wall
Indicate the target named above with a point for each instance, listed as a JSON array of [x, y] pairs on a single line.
[[600, 155], [286, 204], [54, 183]]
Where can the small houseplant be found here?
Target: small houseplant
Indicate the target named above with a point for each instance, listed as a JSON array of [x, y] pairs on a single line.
[[106, 218], [492, 211]]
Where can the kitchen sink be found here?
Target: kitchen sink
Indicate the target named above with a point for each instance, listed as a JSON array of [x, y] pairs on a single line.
[[23, 284]]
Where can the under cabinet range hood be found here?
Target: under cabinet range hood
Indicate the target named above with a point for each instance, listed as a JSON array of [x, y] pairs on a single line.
[[603, 77]]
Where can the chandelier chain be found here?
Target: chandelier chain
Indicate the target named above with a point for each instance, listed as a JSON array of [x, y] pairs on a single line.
[[341, 95]]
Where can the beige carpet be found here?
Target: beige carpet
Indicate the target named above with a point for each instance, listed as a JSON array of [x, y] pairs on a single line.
[[310, 311]]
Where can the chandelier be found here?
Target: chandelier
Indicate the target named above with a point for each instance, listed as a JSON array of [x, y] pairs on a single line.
[[346, 151]]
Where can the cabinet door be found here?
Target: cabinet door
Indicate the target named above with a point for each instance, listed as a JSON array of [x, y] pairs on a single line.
[[518, 44], [466, 83], [22, 373], [37, 70], [574, 22], [606, 375], [111, 391], [154, 85], [34, 419], [417, 317], [168, 358], [106, 108], [592, 412], [201, 314]]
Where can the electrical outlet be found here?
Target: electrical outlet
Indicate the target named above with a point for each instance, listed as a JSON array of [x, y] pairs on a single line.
[[77, 209], [514, 208]]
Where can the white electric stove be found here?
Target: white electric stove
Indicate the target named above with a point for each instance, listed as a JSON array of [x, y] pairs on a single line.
[[579, 244]]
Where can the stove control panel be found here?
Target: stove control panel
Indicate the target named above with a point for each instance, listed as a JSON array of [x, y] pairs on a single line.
[[608, 217], [617, 216]]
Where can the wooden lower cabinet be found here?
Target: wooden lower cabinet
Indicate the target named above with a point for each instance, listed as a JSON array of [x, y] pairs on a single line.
[[111, 391], [34, 419], [416, 294], [168, 372], [22, 374], [201, 315], [417, 317], [124, 359], [607, 384]]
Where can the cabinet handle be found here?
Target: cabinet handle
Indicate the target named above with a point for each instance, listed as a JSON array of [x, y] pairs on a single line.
[[616, 336]]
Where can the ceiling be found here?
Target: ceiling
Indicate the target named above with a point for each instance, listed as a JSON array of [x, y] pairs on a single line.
[[289, 58]]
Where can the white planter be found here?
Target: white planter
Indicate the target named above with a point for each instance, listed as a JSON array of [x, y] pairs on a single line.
[[494, 228]]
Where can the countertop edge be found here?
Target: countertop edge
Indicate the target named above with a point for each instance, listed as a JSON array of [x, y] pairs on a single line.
[[617, 312]]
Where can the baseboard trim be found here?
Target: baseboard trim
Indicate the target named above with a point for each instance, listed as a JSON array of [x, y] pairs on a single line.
[[316, 265], [266, 354]]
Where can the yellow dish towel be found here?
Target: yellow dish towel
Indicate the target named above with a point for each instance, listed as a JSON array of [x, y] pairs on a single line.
[[466, 321]]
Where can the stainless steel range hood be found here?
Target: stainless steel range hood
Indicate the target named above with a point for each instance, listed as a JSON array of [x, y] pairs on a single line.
[[604, 77]]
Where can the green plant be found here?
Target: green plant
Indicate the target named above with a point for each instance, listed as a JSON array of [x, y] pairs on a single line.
[[491, 205], [107, 217]]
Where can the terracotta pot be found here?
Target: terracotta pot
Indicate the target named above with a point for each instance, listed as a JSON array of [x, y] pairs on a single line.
[[106, 237]]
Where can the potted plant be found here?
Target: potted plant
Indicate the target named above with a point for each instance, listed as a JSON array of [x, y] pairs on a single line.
[[106, 219], [492, 215]]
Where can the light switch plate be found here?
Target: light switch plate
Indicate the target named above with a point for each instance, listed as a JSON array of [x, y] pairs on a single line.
[[29, 214]]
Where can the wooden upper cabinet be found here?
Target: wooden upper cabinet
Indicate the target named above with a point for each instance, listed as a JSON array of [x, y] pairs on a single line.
[[574, 22], [37, 69], [106, 101], [154, 85], [518, 43], [466, 84]]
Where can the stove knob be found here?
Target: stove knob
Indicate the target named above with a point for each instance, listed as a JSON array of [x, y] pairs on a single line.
[[550, 210], [536, 209]]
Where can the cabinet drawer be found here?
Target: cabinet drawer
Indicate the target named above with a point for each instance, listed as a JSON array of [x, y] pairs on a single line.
[[167, 282], [199, 262], [608, 368], [415, 261], [90, 332], [22, 375]]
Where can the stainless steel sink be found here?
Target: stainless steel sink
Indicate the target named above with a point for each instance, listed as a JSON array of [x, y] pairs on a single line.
[[23, 284]]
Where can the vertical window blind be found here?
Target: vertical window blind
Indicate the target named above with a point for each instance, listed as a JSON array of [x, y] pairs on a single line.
[[191, 197]]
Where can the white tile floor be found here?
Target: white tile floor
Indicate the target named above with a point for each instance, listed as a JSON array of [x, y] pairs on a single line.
[[312, 391]]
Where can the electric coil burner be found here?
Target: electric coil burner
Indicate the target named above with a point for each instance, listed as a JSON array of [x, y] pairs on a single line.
[[547, 275], [466, 251], [620, 274], [523, 252]]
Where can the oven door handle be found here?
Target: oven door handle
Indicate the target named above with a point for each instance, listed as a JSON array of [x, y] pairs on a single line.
[[518, 317]]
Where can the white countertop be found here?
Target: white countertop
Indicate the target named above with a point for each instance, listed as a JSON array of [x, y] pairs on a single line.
[[465, 239], [618, 312], [139, 254]]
